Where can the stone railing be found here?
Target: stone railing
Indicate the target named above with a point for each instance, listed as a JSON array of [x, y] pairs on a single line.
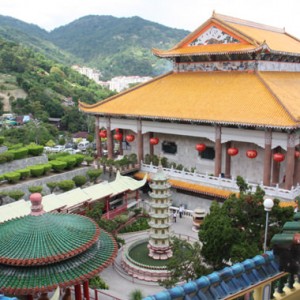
[[224, 183]]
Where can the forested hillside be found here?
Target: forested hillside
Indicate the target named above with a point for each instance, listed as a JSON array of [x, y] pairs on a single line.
[[48, 86], [115, 46]]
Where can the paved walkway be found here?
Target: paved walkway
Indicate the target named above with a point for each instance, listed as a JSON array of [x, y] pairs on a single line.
[[121, 287]]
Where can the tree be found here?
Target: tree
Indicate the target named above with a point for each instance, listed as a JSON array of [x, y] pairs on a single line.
[[185, 264], [235, 230]]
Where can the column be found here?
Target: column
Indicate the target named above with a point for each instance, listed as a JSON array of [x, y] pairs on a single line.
[[290, 161], [86, 291], [297, 172], [140, 143], [97, 137], [109, 140], [78, 295], [267, 158], [218, 151], [121, 143], [275, 170], [151, 147], [228, 162]]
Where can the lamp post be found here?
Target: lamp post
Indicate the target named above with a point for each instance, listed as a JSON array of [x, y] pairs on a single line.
[[268, 204]]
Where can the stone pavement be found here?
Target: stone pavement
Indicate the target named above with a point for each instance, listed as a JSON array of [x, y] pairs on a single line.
[[121, 284]]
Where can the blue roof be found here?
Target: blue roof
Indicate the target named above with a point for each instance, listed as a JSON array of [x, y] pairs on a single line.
[[225, 282]]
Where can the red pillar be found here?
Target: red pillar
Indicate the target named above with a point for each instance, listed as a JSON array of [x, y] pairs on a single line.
[[228, 162], [78, 295], [218, 151], [151, 147], [97, 137], [121, 143], [267, 158], [297, 172], [137, 195], [140, 142], [275, 171], [290, 162], [109, 140], [86, 291]]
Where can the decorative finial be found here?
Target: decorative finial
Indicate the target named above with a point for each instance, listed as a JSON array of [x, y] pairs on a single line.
[[36, 204], [213, 13]]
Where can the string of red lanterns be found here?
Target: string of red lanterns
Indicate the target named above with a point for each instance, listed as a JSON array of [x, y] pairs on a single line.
[[154, 141], [200, 147], [103, 134], [278, 157], [129, 138], [232, 151], [251, 154]]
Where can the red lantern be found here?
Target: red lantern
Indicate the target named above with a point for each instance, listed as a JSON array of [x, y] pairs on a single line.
[[279, 157], [232, 151], [297, 154], [129, 138], [103, 134], [154, 141], [118, 136], [251, 153], [200, 147]]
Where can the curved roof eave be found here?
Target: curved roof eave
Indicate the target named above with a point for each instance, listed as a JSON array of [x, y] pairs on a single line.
[[198, 121]]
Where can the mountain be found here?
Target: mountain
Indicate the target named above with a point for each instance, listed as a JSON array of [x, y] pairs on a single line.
[[117, 45], [33, 36]]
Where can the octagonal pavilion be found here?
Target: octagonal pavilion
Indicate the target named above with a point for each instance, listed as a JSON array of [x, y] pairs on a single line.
[[43, 251]]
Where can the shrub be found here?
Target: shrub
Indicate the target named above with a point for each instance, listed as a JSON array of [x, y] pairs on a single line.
[[25, 173], [47, 167], [52, 185], [19, 153], [35, 150], [66, 185], [6, 157], [12, 177], [1, 140], [17, 194], [97, 282], [55, 156], [2, 178], [37, 171], [79, 180], [35, 189], [94, 174], [132, 158], [88, 159], [70, 160], [121, 219], [58, 165], [79, 159]]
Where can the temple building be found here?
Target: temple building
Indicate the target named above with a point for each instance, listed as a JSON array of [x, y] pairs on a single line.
[[229, 107]]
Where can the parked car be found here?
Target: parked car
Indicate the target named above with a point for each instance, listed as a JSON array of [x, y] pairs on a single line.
[[72, 151], [83, 145], [57, 148]]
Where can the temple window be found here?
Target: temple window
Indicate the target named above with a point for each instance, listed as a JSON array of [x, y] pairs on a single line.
[[208, 153], [169, 147]]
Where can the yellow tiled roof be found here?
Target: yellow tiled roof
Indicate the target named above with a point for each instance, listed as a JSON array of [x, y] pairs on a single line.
[[197, 188], [217, 97], [252, 36], [286, 87], [206, 49]]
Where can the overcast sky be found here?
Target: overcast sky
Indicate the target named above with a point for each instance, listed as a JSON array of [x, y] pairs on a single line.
[[182, 14]]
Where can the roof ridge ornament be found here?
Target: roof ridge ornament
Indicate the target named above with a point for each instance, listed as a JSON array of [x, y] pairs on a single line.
[[37, 208]]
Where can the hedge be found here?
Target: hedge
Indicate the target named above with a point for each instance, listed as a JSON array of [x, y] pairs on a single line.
[[19, 153], [70, 160], [35, 150], [79, 159], [2, 178], [79, 180], [58, 165], [35, 189], [25, 173], [47, 167], [37, 171], [1, 140], [55, 156], [93, 174], [66, 185], [17, 194], [6, 157], [88, 159], [12, 177]]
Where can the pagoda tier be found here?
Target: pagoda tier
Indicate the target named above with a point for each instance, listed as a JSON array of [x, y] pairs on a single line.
[[159, 237]]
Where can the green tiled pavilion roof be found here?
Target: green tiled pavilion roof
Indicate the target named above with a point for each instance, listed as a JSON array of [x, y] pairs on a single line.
[[44, 239], [19, 280]]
